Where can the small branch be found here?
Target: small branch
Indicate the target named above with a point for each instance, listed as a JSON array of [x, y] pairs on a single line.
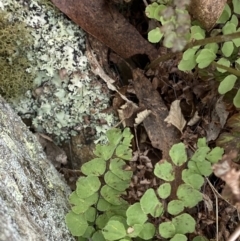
[[229, 69], [235, 235], [160, 59], [145, 3], [214, 39]]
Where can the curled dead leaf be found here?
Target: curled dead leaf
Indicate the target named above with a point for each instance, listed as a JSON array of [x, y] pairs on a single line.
[[141, 116], [126, 113], [194, 119]]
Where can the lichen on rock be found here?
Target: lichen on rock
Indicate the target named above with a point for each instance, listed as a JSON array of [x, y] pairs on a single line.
[[66, 97], [33, 195]]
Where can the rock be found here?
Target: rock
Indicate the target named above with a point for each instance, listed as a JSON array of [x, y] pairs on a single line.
[[33, 195]]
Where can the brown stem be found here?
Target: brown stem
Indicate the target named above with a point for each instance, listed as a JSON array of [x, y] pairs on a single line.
[[214, 39], [229, 69]]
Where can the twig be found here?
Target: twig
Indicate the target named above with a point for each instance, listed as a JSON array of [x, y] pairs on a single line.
[[216, 201], [97, 70], [229, 69], [214, 39], [145, 3], [218, 194], [217, 229], [235, 234]]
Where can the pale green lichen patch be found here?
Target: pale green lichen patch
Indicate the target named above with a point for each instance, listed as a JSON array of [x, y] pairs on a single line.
[[66, 98]]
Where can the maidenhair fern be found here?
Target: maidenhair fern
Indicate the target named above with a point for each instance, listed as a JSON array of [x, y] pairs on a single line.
[[97, 204], [100, 213], [223, 56], [220, 49]]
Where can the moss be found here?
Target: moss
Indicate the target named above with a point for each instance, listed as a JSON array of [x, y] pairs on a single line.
[[15, 42]]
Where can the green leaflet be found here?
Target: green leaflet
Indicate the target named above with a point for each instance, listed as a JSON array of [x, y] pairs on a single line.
[[99, 211], [150, 203]]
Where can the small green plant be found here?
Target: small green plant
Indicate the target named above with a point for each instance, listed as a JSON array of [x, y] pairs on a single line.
[[220, 50], [99, 212], [221, 55], [97, 203], [188, 193]]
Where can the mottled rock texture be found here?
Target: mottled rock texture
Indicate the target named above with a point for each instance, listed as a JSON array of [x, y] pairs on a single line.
[[33, 196]]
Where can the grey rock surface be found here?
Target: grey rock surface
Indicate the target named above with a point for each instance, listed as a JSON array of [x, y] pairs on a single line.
[[33, 196]]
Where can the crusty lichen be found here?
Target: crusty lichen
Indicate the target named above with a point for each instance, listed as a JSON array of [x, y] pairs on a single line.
[[33, 196], [15, 43], [65, 98]]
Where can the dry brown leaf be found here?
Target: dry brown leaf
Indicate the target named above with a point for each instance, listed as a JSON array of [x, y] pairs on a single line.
[[208, 202], [221, 111], [175, 116], [126, 113], [105, 22], [207, 11], [228, 171], [212, 129], [220, 169], [218, 119]]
